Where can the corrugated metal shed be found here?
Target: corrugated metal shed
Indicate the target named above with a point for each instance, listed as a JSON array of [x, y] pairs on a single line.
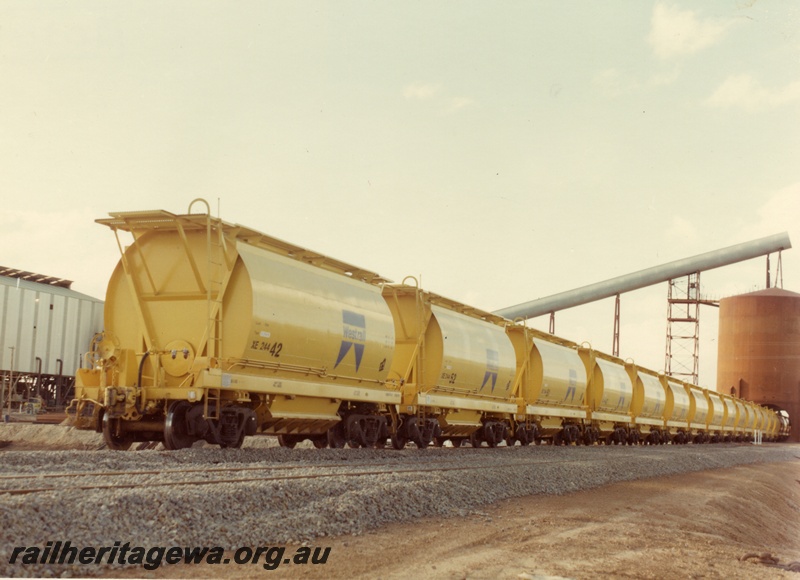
[[45, 320]]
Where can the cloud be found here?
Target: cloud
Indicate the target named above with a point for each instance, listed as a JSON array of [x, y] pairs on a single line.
[[745, 92], [682, 229], [420, 91], [779, 214], [665, 78], [675, 32], [433, 93], [458, 103], [613, 83]]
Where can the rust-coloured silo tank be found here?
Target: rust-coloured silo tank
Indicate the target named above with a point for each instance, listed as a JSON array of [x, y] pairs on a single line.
[[759, 350]]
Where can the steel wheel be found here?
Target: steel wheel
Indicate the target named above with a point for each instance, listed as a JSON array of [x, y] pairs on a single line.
[[422, 437], [354, 433], [287, 441], [371, 432], [382, 436], [116, 440], [474, 441], [175, 435], [490, 434], [399, 441], [522, 436], [336, 436]]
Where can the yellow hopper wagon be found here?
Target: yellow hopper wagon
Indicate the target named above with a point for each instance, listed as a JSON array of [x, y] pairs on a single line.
[[716, 417], [609, 397], [214, 331], [455, 367], [698, 418], [551, 388], [678, 411], [647, 408]]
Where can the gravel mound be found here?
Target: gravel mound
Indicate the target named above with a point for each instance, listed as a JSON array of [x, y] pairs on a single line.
[[277, 512], [41, 436], [49, 436]]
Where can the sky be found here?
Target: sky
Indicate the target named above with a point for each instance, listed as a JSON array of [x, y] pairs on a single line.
[[498, 152]]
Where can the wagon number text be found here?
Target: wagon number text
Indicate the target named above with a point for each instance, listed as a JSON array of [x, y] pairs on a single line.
[[273, 348]]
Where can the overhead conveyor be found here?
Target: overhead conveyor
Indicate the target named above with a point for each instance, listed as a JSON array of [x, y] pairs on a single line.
[[669, 272]]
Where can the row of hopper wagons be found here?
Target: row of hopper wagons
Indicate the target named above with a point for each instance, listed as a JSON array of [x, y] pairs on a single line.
[[215, 332], [576, 395]]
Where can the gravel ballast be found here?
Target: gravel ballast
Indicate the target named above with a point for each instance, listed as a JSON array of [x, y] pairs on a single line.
[[281, 511]]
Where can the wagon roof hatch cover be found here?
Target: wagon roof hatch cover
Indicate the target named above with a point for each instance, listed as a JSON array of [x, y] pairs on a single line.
[[137, 222]]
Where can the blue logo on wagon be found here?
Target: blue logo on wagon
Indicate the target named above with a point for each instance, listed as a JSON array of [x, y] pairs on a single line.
[[572, 385], [354, 336], [492, 368]]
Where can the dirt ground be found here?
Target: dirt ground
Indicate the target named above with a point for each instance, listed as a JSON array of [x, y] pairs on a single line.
[[688, 526]]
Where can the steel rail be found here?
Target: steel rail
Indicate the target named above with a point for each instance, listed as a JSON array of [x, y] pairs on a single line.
[[178, 471]]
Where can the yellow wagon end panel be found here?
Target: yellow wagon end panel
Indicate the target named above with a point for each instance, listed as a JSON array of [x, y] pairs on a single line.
[[157, 300], [716, 416], [730, 413]]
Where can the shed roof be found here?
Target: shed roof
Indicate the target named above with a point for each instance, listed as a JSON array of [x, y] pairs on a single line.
[[37, 286], [34, 277]]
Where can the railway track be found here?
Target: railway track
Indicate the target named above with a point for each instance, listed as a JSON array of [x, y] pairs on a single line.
[[22, 484], [369, 470]]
